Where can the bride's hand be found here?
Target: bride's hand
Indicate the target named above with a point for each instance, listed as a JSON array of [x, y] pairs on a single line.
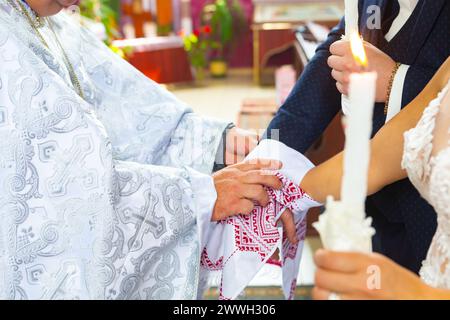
[[364, 276]]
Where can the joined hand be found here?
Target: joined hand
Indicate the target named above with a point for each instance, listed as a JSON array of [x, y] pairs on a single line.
[[239, 186], [239, 143]]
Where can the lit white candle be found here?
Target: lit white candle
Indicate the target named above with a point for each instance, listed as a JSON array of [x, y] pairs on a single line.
[[351, 27], [362, 90], [351, 17]]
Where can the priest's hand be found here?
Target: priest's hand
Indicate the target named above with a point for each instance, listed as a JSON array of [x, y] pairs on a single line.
[[364, 276], [239, 186], [343, 64], [239, 144]]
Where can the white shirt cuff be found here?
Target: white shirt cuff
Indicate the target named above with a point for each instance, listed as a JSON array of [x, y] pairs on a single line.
[[295, 164], [395, 100], [205, 197], [295, 167]]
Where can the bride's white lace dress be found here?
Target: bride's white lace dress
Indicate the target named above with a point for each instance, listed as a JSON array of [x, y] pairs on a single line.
[[427, 161]]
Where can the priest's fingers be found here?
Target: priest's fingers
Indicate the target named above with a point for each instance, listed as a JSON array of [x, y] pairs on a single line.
[[341, 48], [233, 158], [261, 177], [244, 206], [252, 143], [255, 192], [287, 218], [259, 164], [241, 141], [348, 262]]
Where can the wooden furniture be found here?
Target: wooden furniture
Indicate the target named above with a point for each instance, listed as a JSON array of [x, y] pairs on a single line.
[[256, 113], [139, 15], [164, 17], [274, 23], [162, 59]]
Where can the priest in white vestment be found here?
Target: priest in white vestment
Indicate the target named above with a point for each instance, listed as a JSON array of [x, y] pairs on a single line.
[[105, 178]]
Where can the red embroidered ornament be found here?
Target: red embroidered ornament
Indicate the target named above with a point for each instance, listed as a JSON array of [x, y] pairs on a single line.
[[241, 245]]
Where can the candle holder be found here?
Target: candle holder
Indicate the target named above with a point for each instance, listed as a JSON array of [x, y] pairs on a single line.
[[344, 228]]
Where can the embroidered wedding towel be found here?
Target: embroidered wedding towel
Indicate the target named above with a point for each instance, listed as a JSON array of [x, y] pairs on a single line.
[[240, 246]]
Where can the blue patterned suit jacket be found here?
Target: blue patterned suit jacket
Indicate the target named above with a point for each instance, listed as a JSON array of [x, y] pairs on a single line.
[[405, 223]]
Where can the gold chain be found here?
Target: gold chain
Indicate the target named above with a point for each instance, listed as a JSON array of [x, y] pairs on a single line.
[[73, 76], [390, 85]]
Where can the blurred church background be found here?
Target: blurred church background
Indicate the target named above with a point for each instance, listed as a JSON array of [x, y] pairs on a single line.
[[236, 60]]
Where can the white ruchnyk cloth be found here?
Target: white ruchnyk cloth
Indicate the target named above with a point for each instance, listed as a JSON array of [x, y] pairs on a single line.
[[240, 246]]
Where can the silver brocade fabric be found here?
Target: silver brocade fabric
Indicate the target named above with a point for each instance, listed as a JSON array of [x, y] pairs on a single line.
[[99, 197]]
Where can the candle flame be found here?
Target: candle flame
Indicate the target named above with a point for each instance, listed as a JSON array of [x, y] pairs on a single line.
[[357, 46]]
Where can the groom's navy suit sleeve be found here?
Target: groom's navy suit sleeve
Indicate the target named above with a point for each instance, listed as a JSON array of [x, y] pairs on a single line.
[[313, 103]]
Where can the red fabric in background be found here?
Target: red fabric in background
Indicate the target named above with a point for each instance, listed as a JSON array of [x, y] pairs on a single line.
[[243, 54]]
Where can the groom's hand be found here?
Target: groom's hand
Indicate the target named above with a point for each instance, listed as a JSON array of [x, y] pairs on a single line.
[[239, 186], [343, 64], [289, 229], [287, 219], [239, 144]]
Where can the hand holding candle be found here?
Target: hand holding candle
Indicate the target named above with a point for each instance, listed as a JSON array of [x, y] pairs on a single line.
[[343, 64]]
